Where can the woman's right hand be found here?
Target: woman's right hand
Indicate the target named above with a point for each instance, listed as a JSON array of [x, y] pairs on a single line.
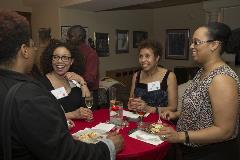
[[169, 115]]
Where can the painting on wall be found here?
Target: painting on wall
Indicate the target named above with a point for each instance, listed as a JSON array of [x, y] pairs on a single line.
[[102, 44], [177, 44], [139, 36], [64, 30], [122, 43]]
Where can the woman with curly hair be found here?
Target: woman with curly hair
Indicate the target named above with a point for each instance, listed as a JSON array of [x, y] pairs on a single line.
[[60, 65]]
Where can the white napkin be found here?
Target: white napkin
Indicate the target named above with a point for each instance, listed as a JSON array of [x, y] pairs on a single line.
[[132, 115], [104, 126], [146, 137]]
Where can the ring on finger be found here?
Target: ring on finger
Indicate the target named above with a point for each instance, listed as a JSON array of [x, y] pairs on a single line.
[[164, 137]]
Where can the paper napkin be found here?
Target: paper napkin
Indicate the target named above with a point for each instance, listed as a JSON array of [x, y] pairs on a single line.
[[104, 126], [132, 115], [146, 137]]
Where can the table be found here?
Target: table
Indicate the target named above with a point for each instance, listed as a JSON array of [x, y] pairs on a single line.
[[133, 148]]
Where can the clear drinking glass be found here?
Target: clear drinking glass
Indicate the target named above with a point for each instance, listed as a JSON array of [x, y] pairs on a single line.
[[89, 102], [141, 114]]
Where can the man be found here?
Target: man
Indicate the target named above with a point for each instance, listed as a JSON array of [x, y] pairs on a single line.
[[37, 125], [77, 37]]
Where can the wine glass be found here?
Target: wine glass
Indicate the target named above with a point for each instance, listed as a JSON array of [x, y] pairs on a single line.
[[141, 114], [89, 102]]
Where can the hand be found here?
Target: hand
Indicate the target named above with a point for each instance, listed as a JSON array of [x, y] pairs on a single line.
[[138, 104], [82, 113], [168, 115], [74, 76], [85, 91], [170, 135], [131, 105], [117, 140]]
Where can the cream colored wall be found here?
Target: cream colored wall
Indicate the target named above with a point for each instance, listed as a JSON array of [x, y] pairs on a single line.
[[15, 5], [177, 17], [44, 16], [108, 22]]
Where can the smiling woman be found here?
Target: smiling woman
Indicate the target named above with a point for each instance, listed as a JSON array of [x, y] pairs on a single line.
[[153, 88], [63, 80]]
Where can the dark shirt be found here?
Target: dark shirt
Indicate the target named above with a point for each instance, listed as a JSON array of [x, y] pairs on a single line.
[[70, 103], [157, 98], [38, 129], [91, 72]]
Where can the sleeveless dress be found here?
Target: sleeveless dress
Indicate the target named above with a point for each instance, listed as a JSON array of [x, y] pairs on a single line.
[[157, 98], [197, 114]]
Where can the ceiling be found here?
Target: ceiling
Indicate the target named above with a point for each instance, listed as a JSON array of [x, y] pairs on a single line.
[[107, 5]]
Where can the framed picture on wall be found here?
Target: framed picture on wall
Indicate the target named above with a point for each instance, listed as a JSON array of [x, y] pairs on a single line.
[[122, 43], [139, 36], [64, 30], [102, 44], [177, 44]]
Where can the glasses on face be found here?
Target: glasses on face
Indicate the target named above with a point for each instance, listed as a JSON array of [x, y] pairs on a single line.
[[198, 42], [63, 58]]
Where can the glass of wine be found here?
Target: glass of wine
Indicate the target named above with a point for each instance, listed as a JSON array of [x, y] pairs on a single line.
[[89, 102], [141, 114]]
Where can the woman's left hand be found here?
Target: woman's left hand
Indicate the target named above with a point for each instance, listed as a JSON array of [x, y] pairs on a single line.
[[169, 134], [74, 76]]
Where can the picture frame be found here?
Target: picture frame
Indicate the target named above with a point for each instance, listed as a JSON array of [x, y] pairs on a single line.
[[64, 30], [139, 36], [122, 41], [102, 44], [177, 44]]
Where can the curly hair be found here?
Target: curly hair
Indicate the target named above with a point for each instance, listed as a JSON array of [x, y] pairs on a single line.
[[151, 44], [14, 31], [46, 57]]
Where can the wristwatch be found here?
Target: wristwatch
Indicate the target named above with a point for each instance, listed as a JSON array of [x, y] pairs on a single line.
[[186, 138]]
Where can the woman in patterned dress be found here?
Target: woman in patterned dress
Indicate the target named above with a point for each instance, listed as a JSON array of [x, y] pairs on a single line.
[[154, 88], [208, 122]]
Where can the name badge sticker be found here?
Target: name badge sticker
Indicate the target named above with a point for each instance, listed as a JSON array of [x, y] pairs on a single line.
[[59, 92], [153, 86]]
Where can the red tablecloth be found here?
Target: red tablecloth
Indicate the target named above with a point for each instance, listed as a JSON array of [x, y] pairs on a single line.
[[133, 149]]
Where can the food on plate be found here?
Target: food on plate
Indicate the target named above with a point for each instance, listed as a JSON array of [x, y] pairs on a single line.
[[154, 128], [90, 136]]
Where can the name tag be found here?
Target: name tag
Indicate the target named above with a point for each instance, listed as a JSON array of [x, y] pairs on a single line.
[[59, 92], [153, 86]]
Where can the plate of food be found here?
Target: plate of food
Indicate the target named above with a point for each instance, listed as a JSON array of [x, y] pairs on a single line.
[[154, 128], [90, 135]]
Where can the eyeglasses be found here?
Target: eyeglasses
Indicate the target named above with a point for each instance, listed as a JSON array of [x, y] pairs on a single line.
[[63, 58], [196, 42]]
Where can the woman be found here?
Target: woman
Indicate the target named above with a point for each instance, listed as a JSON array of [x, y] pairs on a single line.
[[208, 122], [153, 88], [58, 61]]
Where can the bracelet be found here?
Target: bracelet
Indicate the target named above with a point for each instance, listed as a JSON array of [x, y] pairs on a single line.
[[186, 138]]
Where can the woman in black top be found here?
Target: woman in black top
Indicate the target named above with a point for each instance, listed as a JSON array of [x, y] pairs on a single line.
[[57, 62]]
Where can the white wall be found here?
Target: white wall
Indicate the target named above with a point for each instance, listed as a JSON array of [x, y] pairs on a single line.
[[108, 22]]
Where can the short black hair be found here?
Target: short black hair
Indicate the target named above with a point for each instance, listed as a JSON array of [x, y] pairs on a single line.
[[79, 31], [14, 31], [151, 44], [220, 32], [46, 57]]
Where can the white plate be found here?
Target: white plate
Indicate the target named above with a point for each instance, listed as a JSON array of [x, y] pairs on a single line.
[[90, 135]]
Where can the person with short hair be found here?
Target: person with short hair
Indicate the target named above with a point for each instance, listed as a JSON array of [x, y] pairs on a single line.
[[33, 125], [154, 88], [76, 35]]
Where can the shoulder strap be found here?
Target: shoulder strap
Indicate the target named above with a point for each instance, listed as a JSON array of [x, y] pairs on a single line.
[[6, 112]]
